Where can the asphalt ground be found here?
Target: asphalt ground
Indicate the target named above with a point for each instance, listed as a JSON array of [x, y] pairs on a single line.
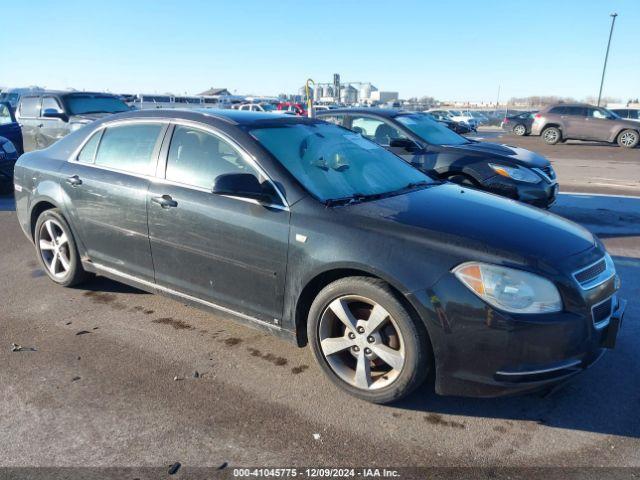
[[107, 379]]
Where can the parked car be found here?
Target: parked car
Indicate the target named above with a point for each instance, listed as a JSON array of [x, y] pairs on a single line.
[[458, 127], [458, 116], [501, 169], [8, 156], [50, 115], [519, 123], [9, 127], [295, 108], [584, 122], [628, 113], [316, 234], [258, 107]]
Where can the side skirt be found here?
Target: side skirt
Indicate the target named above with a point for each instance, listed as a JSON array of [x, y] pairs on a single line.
[[151, 287]]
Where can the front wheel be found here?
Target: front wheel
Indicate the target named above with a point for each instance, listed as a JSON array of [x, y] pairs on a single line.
[[629, 139], [57, 250], [551, 135], [366, 341]]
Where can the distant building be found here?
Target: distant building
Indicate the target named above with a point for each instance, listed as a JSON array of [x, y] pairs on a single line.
[[215, 92], [384, 97]]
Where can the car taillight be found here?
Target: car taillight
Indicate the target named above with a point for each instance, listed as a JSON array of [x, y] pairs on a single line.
[[505, 120], [538, 115]]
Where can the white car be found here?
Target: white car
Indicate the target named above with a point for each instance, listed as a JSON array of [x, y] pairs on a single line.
[[458, 116], [628, 113], [259, 107]]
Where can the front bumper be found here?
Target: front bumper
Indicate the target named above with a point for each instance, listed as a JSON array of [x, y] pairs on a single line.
[[482, 352], [542, 194]]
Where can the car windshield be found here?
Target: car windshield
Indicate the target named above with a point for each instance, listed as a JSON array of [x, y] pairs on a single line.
[[334, 164], [431, 131], [83, 104]]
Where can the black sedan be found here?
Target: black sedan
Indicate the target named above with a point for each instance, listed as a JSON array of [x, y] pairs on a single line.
[[501, 169], [518, 123], [316, 234]]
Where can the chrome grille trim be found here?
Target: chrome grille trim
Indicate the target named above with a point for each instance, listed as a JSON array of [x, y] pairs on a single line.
[[599, 279], [599, 325]]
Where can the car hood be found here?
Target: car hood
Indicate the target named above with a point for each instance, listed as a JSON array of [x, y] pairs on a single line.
[[498, 151], [458, 217]]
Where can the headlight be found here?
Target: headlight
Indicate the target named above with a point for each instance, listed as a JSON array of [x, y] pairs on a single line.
[[9, 147], [516, 173], [508, 289]]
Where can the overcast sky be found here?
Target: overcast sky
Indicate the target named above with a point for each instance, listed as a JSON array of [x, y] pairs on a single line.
[[453, 50]]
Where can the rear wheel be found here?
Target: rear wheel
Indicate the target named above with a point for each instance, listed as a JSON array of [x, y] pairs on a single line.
[[519, 130], [57, 250], [628, 139], [551, 135], [366, 341]]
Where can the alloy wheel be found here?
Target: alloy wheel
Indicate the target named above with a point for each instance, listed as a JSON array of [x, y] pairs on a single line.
[[628, 138], [519, 130], [54, 248], [550, 135], [361, 342]]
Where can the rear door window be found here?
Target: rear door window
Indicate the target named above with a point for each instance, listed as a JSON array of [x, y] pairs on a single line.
[[30, 107], [129, 148]]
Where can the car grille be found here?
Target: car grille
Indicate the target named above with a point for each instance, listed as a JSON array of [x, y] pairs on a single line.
[[585, 276], [601, 312]]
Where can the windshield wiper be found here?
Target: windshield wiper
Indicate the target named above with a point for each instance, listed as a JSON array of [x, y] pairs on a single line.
[[351, 199]]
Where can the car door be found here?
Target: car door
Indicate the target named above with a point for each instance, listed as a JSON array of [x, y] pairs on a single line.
[[223, 250], [9, 128], [598, 126], [574, 122], [28, 117], [52, 128], [107, 190]]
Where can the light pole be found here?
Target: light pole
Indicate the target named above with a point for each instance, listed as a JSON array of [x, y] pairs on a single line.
[[606, 57]]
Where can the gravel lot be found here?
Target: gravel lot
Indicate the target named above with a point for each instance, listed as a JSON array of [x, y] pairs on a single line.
[[98, 389]]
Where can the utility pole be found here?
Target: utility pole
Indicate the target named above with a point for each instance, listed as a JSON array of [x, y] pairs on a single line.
[[606, 57]]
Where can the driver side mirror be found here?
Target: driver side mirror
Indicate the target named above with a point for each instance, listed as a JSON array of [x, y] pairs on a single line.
[[53, 113], [405, 144], [244, 185]]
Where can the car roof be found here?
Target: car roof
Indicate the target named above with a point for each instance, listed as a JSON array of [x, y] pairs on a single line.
[[211, 115], [382, 112], [40, 93]]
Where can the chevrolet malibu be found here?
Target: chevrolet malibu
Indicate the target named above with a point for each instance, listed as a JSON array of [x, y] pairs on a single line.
[[316, 234]]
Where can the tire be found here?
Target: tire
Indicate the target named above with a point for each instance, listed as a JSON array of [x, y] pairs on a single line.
[[520, 130], [551, 135], [349, 355], [628, 139], [60, 260]]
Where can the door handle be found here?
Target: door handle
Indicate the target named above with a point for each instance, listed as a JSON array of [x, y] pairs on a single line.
[[165, 201], [74, 180], [40, 125]]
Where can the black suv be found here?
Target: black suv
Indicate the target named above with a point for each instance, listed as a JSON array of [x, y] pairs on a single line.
[[50, 115], [509, 171]]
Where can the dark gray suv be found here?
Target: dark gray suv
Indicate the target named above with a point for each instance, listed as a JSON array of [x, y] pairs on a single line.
[[50, 115], [558, 123]]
